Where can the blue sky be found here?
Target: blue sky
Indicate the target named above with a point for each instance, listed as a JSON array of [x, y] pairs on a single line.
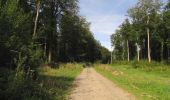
[[105, 16]]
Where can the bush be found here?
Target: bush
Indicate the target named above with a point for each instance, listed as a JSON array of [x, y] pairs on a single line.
[[153, 66], [4, 74], [21, 88], [53, 65], [121, 62], [145, 65], [135, 64]]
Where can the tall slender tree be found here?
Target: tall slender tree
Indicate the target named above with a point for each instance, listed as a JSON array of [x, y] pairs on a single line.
[[142, 12], [37, 15]]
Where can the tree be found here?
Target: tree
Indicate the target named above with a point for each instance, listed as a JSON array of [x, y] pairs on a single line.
[[126, 31], [166, 35], [77, 42], [142, 12], [37, 15], [117, 43], [13, 21]]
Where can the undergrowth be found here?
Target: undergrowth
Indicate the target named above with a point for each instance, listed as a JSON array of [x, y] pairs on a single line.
[[51, 84]]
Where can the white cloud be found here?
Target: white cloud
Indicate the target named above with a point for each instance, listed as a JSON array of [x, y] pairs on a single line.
[[105, 17], [105, 24]]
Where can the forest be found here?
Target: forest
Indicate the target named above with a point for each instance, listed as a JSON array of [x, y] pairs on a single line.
[[47, 46], [36, 33], [145, 34], [40, 31]]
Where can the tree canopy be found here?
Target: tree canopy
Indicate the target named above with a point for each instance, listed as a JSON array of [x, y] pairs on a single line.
[[33, 32], [146, 31]]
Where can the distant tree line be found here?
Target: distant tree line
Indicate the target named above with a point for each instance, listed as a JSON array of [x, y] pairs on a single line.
[[33, 32], [145, 34]]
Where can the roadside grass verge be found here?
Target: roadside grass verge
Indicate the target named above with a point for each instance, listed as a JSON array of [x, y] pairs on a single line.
[[51, 84], [146, 83], [58, 82]]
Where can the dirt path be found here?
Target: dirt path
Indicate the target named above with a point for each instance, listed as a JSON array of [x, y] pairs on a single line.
[[90, 85]]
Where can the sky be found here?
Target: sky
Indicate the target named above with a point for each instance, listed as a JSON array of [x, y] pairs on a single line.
[[105, 17]]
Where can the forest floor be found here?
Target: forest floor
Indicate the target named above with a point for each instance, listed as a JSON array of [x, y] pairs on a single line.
[[90, 85]]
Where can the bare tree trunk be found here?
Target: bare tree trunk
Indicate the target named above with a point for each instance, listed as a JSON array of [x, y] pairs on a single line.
[[49, 56], [138, 53], [36, 18], [148, 33], [149, 51], [128, 50]]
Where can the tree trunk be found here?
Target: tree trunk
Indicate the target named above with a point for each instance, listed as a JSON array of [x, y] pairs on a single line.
[[49, 56], [138, 53], [128, 53], [45, 47], [111, 58], [162, 48], [36, 18], [51, 34], [148, 33], [149, 51], [123, 56]]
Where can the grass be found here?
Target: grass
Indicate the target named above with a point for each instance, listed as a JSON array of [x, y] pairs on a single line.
[[52, 84], [146, 83], [58, 82]]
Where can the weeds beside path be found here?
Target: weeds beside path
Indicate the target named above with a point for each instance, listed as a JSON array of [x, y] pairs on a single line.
[[58, 82], [50, 84]]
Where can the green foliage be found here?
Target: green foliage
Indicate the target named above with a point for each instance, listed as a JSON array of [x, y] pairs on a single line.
[[26, 89], [77, 43], [21, 53], [52, 84], [146, 14], [105, 55], [16, 86], [144, 65], [62, 35], [58, 82]]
